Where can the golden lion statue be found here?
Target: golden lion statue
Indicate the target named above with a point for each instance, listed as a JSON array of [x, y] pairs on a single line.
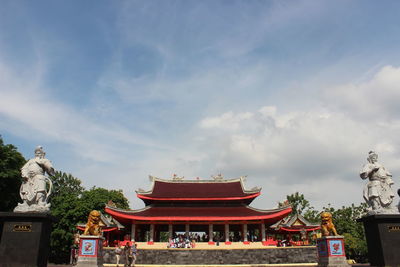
[[92, 226], [327, 226]]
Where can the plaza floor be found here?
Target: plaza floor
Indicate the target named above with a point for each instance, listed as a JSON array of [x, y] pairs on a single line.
[[205, 245]]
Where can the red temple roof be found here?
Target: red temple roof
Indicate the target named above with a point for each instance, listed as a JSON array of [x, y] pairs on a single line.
[[237, 213], [187, 190], [295, 223]]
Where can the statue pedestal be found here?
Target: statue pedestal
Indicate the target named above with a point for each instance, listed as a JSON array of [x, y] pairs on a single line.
[[382, 232], [25, 239], [331, 251], [90, 251]]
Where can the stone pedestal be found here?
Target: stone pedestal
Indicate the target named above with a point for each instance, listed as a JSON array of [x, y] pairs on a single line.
[[90, 251], [383, 239], [331, 251], [24, 239]]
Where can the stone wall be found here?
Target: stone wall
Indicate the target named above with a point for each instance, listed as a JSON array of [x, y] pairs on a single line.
[[222, 256]]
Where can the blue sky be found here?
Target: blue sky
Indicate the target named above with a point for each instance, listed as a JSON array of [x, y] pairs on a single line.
[[291, 93]]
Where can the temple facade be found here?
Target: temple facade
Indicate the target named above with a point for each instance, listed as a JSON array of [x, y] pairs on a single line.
[[219, 208], [296, 229]]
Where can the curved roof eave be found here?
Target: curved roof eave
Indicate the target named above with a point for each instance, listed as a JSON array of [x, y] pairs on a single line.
[[198, 198], [282, 212]]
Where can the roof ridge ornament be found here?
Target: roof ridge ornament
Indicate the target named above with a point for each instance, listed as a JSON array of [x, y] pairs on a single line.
[[175, 177], [218, 177]]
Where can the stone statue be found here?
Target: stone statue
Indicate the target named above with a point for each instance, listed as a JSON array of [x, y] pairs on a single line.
[[327, 226], [378, 191], [398, 206], [33, 190], [93, 224]]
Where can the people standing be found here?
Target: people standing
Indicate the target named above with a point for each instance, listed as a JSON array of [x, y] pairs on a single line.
[[127, 254], [133, 254], [118, 252]]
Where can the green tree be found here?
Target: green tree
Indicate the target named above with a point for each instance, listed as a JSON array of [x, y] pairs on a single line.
[[96, 198], [298, 202], [66, 207], [346, 225], [11, 162], [300, 205], [71, 204]]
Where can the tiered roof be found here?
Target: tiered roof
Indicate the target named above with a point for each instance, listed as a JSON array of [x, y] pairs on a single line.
[[197, 190], [198, 200], [295, 223]]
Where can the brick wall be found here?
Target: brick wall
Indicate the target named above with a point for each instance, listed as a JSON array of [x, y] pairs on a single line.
[[222, 256]]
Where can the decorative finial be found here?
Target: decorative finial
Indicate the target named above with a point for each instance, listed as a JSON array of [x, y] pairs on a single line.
[[218, 177], [177, 178]]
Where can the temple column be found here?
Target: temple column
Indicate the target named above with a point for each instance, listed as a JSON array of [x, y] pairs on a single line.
[[187, 230], [151, 238], [263, 232], [245, 241], [227, 234], [170, 233], [133, 232], [210, 234]]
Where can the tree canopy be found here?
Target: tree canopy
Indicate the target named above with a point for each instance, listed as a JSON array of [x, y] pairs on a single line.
[[97, 197], [71, 204], [344, 220], [300, 205], [11, 162], [353, 231]]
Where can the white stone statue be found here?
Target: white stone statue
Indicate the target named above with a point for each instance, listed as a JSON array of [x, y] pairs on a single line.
[[398, 206], [378, 191], [36, 187]]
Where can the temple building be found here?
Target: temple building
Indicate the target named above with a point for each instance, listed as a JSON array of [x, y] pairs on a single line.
[[296, 229], [218, 208]]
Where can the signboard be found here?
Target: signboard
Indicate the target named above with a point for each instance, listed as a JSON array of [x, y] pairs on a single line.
[[89, 247], [22, 228], [330, 247], [336, 248]]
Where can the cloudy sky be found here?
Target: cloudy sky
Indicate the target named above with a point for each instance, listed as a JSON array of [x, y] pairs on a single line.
[[291, 93]]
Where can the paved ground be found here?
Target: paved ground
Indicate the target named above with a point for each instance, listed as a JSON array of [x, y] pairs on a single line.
[[239, 265]]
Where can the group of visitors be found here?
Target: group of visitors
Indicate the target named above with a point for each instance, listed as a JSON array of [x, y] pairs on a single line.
[[283, 243], [181, 241], [128, 253]]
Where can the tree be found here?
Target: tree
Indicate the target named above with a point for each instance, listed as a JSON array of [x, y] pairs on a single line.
[[71, 204], [346, 225], [11, 162], [300, 205], [97, 197], [66, 207]]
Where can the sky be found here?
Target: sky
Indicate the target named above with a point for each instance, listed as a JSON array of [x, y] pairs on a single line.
[[293, 94]]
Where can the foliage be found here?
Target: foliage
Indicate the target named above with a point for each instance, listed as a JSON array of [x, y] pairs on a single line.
[[300, 205], [65, 206], [97, 197], [71, 204], [344, 220], [11, 162], [346, 225]]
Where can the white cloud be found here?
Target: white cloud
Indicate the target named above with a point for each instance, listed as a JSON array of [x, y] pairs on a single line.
[[313, 151], [374, 100]]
